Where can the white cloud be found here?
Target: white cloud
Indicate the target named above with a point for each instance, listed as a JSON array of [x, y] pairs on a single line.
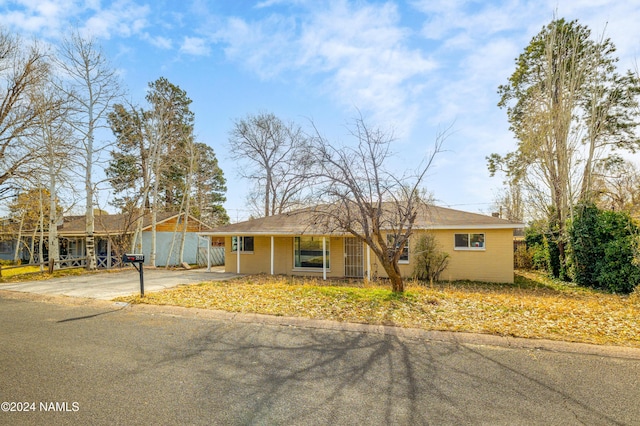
[[195, 46], [53, 18], [158, 41], [360, 53], [34, 16], [270, 3], [266, 47], [123, 18]]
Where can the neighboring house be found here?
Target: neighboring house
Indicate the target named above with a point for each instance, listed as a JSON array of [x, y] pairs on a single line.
[[480, 247], [113, 236]]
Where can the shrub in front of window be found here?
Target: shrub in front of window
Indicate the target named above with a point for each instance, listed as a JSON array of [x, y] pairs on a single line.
[[430, 261]]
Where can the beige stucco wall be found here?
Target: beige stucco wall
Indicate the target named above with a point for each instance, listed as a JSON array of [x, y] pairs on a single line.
[[493, 264]]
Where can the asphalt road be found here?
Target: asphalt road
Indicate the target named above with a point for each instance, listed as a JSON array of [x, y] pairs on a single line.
[[96, 362]]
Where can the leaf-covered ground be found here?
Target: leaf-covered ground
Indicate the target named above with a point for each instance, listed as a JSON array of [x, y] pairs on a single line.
[[32, 273], [533, 307]]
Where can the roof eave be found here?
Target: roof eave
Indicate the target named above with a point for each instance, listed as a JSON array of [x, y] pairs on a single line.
[[295, 232]]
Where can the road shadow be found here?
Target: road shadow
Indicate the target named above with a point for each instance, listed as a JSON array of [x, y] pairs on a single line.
[[92, 315], [289, 375]]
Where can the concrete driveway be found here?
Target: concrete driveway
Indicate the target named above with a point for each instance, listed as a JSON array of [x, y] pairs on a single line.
[[110, 284]]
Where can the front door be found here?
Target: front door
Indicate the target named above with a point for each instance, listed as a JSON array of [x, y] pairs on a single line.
[[353, 258]]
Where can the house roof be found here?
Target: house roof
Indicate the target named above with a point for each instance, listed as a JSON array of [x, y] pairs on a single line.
[[113, 224], [305, 221]]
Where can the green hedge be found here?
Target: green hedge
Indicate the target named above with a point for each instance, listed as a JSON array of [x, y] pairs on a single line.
[[603, 249]]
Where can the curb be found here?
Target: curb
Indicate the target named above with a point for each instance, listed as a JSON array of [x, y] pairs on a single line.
[[451, 337]]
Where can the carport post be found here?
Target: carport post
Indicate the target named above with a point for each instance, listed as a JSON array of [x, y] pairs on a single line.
[[209, 241]]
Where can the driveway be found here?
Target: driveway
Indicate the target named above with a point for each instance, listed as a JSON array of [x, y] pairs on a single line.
[[111, 284]]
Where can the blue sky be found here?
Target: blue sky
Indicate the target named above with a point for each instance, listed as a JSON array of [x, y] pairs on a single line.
[[414, 66]]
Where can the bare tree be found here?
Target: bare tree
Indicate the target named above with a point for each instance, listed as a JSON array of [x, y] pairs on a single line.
[[94, 86], [365, 199], [23, 69], [57, 147], [617, 186], [275, 157]]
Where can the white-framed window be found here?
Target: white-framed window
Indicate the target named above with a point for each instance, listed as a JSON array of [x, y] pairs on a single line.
[[307, 252], [404, 256], [246, 244], [469, 242]]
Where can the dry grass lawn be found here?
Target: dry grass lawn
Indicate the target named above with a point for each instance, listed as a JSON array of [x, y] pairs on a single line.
[[22, 270], [32, 273], [532, 307]]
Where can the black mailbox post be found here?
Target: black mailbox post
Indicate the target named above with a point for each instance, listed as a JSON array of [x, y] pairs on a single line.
[[136, 260]]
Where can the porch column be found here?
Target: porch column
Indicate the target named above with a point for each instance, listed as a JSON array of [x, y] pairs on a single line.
[[272, 254], [108, 253], [237, 254], [368, 262], [324, 258]]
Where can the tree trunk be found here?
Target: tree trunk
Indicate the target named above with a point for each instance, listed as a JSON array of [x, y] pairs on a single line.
[[41, 240], [267, 194], [152, 254], [397, 283], [89, 218], [16, 254]]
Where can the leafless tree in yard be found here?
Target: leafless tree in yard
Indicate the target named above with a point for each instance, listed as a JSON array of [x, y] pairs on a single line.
[[56, 146], [24, 68], [94, 87], [617, 186], [275, 157], [364, 198]]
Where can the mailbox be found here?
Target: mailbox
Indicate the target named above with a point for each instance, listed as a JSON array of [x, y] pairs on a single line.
[[136, 259], [133, 258]]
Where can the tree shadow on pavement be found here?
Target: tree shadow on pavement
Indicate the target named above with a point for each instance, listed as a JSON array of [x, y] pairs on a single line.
[[264, 374]]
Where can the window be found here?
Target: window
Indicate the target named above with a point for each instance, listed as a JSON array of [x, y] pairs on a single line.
[[246, 244], [307, 252], [404, 256], [6, 246], [73, 248], [469, 241]]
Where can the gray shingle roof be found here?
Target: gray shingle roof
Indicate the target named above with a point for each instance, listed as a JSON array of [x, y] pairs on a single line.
[[111, 224], [304, 221]]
